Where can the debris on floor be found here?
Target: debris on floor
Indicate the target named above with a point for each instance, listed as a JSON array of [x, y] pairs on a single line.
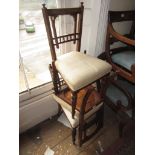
[[49, 151], [100, 146], [100, 149]]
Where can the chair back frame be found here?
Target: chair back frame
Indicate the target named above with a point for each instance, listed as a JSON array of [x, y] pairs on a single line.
[[60, 86], [49, 18]]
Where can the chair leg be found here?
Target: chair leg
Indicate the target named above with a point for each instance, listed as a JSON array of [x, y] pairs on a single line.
[[121, 126], [80, 136], [100, 117], [98, 84], [74, 135], [59, 110], [74, 98]]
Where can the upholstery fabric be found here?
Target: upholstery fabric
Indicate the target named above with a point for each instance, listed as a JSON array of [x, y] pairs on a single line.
[[127, 85], [125, 59], [114, 94], [68, 111], [79, 69]]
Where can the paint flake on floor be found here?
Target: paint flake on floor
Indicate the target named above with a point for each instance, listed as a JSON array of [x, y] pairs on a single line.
[[63, 119], [49, 151]]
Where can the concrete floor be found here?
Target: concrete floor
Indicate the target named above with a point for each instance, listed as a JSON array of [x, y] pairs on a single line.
[[57, 137]]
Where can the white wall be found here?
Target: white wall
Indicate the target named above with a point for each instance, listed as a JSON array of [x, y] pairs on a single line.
[[36, 106], [122, 5], [36, 112], [90, 23], [95, 23], [91, 20]]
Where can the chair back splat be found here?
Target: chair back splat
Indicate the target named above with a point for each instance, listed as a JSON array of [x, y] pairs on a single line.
[[50, 16]]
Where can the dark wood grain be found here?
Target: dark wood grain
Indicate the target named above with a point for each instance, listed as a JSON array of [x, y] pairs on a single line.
[[93, 100]]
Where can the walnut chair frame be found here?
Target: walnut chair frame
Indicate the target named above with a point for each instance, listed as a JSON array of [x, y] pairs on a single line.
[[54, 41], [60, 85], [128, 39], [83, 106]]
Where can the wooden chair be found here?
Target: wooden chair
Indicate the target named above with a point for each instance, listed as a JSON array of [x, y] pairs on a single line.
[[119, 95], [89, 111], [122, 58], [73, 73]]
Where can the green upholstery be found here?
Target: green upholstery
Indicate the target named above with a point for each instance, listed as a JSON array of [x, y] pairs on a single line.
[[114, 94], [127, 85], [125, 59]]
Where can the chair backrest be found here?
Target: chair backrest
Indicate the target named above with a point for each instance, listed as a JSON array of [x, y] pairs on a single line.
[[49, 18], [118, 16], [124, 42]]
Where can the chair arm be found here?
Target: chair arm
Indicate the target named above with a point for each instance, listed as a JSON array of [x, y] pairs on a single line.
[[119, 36], [124, 91], [127, 94]]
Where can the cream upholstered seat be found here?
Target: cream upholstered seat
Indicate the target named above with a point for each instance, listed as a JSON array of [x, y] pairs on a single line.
[[79, 69], [67, 110]]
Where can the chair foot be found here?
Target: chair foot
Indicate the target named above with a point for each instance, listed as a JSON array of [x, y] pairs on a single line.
[[59, 111], [73, 135], [121, 127], [100, 115]]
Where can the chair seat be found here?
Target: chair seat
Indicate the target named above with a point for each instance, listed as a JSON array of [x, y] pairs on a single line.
[[75, 122], [93, 104], [78, 69], [125, 59], [68, 111]]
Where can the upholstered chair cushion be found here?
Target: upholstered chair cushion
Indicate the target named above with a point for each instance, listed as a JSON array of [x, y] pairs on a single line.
[[127, 85], [68, 111], [125, 59], [78, 69], [115, 94]]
